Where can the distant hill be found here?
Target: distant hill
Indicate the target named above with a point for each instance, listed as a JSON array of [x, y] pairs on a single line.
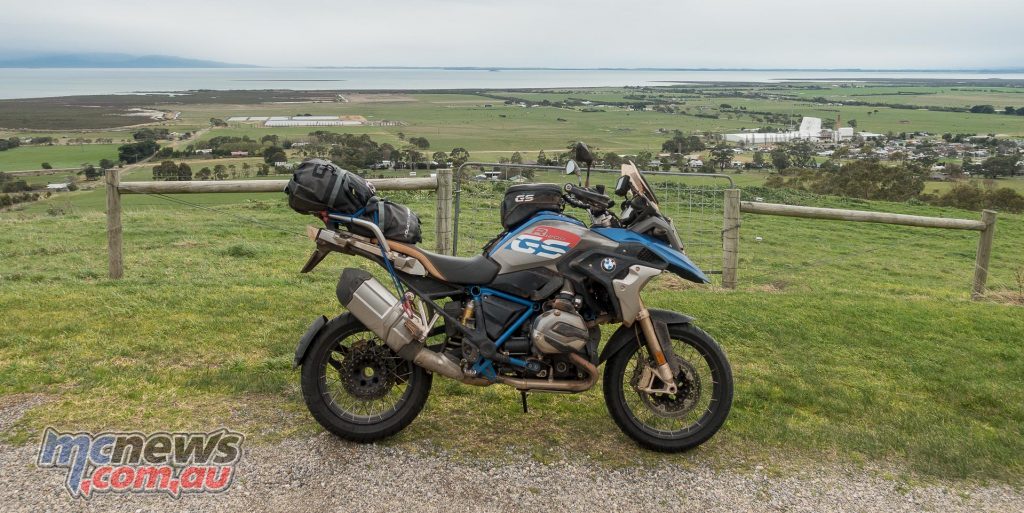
[[109, 60]]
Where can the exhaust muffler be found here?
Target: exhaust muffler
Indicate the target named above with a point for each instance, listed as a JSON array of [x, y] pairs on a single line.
[[380, 311]]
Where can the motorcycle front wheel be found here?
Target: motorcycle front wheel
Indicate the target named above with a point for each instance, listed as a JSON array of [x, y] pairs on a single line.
[[356, 387], [671, 422]]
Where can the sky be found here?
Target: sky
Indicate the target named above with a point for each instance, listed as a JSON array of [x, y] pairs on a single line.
[[877, 34]]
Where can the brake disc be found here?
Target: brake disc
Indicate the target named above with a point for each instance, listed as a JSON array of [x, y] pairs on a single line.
[[368, 370], [672, 405]]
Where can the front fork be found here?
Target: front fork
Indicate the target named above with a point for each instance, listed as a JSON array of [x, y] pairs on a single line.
[[661, 368]]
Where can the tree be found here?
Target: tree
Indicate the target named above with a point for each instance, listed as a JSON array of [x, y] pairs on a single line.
[[721, 155], [412, 156], [204, 174], [643, 159], [274, 154], [852, 123], [47, 165], [542, 158], [89, 172], [516, 158], [459, 156], [441, 158], [106, 164], [780, 159], [758, 158], [220, 172], [134, 152], [611, 159], [1000, 165], [419, 142], [270, 138], [867, 179], [983, 109], [184, 172], [166, 170], [680, 143], [801, 153]]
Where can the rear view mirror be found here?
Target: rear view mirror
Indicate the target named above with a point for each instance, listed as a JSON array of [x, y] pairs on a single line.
[[583, 154], [571, 168], [622, 186]]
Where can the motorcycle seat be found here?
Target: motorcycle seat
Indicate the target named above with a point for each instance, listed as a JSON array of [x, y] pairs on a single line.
[[475, 270]]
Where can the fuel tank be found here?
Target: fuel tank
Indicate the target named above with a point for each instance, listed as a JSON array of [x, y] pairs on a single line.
[[543, 241]]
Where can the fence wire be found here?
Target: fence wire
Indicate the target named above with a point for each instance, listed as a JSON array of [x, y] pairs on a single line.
[[696, 211]]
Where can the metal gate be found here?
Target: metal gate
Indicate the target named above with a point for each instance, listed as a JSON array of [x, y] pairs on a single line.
[[696, 210]]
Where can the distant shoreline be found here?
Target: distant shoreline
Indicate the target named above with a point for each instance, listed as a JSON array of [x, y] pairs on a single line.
[[5, 65]]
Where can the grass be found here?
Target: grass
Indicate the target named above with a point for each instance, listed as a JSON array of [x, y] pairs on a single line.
[[26, 158], [852, 343]]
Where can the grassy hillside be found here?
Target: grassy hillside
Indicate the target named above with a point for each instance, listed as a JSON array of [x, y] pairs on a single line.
[[853, 343]]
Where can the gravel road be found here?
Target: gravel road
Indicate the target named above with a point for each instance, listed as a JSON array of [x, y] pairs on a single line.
[[322, 473]]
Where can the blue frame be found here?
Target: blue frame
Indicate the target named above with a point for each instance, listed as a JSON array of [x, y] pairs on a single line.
[[485, 366]]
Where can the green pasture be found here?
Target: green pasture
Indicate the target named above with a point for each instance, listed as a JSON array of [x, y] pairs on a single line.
[[26, 158]]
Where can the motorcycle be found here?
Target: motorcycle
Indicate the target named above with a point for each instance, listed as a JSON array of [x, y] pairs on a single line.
[[525, 313]]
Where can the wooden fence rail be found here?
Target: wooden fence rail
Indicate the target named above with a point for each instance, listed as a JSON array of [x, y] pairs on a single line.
[[733, 208], [442, 183]]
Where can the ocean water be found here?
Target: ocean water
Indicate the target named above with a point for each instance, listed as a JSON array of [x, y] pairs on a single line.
[[38, 83]]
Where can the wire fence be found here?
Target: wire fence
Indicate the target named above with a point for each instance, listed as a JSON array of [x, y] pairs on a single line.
[[695, 209]]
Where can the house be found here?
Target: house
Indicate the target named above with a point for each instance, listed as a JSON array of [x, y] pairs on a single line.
[[57, 187], [696, 163], [239, 154], [204, 151]]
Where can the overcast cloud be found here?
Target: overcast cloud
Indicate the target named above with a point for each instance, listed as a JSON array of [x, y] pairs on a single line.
[[598, 33]]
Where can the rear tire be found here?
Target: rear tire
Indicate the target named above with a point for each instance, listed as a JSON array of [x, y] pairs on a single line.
[[657, 421], [372, 370]]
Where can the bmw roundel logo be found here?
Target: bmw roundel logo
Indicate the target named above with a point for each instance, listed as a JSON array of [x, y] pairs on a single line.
[[608, 264]]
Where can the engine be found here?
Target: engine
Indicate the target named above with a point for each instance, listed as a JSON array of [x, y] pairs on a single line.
[[559, 330]]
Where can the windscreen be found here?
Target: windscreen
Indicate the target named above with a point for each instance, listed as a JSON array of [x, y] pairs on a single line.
[[638, 183]]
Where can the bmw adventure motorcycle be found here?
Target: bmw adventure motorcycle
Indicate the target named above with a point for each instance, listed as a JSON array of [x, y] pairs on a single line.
[[525, 313]]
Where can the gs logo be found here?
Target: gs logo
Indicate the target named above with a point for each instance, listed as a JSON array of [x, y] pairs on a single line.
[[545, 242], [523, 198]]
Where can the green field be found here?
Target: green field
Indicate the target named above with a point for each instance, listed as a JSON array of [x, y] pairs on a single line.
[[25, 158]]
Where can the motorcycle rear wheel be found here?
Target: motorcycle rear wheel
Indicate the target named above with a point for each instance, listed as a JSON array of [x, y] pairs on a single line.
[[358, 388], [678, 422]]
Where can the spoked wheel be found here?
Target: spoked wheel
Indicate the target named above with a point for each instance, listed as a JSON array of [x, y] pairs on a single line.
[[357, 387], [671, 422]]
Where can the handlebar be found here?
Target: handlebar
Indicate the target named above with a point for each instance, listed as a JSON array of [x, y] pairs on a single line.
[[587, 198]]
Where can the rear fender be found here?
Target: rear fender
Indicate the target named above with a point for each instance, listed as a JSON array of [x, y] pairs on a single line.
[[624, 335], [307, 339]]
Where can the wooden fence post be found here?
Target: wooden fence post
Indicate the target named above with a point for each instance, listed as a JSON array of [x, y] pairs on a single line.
[[114, 261], [443, 226], [984, 253], [730, 238]]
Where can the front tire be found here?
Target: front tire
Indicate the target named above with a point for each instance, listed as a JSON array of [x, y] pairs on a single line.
[[671, 423], [356, 387]]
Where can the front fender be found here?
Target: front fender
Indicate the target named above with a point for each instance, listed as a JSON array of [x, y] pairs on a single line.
[[311, 333], [624, 335]]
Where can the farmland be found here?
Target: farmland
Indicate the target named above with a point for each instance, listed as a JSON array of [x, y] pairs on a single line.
[[853, 344]]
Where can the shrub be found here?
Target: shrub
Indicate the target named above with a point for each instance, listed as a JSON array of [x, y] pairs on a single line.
[[972, 197]]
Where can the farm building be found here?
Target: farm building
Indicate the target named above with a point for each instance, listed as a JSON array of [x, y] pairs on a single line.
[[284, 121]]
